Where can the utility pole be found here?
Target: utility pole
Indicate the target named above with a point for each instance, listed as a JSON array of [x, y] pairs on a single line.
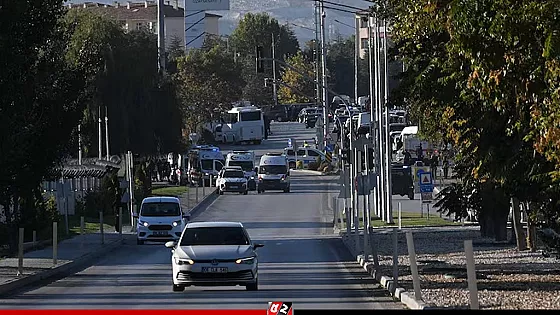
[[100, 146], [388, 148], [357, 19], [161, 37], [372, 114], [379, 114], [274, 86], [317, 58], [324, 73], [80, 144], [107, 132]]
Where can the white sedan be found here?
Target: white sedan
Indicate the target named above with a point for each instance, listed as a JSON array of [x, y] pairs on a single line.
[[214, 254]]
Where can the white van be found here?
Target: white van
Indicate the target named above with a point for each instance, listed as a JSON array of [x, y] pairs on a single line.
[[160, 219], [273, 173]]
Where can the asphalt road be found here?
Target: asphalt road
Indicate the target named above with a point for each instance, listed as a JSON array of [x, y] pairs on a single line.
[[302, 262]]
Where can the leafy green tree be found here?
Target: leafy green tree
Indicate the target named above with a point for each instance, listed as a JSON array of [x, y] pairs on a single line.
[[299, 88], [479, 73], [143, 113], [42, 82], [257, 30], [207, 81]]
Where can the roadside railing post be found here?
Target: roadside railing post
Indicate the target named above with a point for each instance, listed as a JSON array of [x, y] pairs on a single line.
[[34, 239], [20, 253], [413, 266], [55, 243], [120, 224], [101, 227], [471, 275]]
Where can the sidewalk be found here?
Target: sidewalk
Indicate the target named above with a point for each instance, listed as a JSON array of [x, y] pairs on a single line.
[[80, 250], [38, 264]]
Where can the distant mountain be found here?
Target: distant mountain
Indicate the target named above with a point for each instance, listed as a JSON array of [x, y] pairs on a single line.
[[298, 12]]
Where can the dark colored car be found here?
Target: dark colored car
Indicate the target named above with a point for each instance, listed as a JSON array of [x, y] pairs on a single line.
[[310, 120], [401, 180]]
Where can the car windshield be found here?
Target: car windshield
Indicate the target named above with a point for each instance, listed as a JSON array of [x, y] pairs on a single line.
[[245, 165], [207, 164], [233, 174], [273, 169], [214, 236], [160, 209]]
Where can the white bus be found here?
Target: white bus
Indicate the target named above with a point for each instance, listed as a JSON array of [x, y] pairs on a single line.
[[243, 125]]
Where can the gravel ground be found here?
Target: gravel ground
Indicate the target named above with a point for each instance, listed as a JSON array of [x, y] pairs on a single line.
[[506, 278]]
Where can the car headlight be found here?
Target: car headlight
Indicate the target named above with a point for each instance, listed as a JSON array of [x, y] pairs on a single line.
[[246, 261], [144, 223], [252, 177], [181, 261], [176, 223]]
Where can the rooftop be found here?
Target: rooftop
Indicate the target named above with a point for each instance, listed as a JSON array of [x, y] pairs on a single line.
[[145, 10]]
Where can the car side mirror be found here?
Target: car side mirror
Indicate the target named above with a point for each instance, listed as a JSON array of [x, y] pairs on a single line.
[[187, 216], [255, 246], [256, 169], [170, 244]]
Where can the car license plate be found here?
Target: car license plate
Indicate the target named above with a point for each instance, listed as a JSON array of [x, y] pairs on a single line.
[[214, 270], [160, 233], [233, 186]]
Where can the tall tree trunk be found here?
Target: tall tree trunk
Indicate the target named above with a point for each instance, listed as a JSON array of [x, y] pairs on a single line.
[[531, 228], [517, 226]]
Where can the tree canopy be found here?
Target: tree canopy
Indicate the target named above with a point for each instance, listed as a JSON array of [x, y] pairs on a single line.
[[483, 76]]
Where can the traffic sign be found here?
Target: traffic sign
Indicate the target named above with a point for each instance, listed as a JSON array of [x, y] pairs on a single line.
[[125, 197], [425, 182], [426, 197], [426, 178]]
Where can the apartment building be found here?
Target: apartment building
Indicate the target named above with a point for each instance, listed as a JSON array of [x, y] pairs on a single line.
[[143, 15], [364, 36]]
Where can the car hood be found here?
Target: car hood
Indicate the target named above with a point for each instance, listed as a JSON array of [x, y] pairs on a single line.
[[234, 180], [215, 252], [159, 220]]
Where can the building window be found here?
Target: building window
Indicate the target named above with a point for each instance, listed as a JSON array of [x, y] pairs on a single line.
[[363, 22], [153, 27], [138, 26], [364, 43]]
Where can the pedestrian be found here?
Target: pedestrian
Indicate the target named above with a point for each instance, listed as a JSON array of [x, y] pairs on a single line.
[[419, 152], [434, 161], [445, 167], [266, 126], [407, 158]]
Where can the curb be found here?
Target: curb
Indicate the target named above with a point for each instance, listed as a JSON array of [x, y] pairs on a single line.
[[16, 284], [310, 172], [407, 298], [205, 202]]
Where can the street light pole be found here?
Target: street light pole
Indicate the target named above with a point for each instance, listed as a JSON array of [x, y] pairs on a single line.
[[379, 114], [373, 117], [107, 133], [161, 37], [100, 141], [389, 156], [356, 55], [274, 86], [317, 58], [324, 73]]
